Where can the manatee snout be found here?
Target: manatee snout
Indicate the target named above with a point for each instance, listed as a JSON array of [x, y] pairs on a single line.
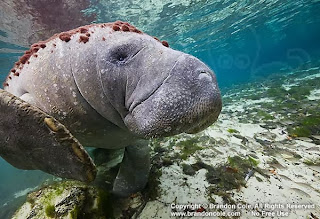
[[188, 100]]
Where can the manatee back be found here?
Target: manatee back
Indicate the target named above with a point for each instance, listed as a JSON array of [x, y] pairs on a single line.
[[44, 75], [60, 75], [50, 73]]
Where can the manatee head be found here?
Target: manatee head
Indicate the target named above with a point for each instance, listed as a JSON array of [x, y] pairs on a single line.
[[156, 90]]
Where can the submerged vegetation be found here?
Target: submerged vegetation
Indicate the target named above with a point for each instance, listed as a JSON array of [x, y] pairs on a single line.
[[228, 176], [69, 199], [288, 103], [312, 162], [232, 131], [50, 211], [306, 126], [189, 147]]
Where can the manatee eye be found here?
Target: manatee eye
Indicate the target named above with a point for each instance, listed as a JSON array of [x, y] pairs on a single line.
[[122, 54], [121, 57]]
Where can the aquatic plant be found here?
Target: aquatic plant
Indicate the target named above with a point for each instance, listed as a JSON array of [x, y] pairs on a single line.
[[226, 177], [50, 211], [299, 92], [152, 190], [232, 131], [264, 115], [75, 200], [299, 132], [104, 206], [306, 126], [188, 169], [74, 213], [189, 147], [278, 93], [312, 162]]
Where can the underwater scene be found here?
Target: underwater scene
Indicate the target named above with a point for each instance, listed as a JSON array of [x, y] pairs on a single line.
[[228, 127]]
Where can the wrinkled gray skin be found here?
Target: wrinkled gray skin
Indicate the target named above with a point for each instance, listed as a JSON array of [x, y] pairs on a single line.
[[112, 93]]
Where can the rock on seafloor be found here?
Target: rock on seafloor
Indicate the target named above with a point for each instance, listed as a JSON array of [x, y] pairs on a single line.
[[67, 199]]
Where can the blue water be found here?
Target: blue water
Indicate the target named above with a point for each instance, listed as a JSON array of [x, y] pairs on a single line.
[[240, 40]]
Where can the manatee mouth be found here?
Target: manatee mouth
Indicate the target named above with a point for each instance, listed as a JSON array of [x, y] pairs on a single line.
[[141, 99]]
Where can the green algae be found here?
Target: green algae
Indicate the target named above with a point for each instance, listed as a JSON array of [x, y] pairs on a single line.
[[313, 83], [50, 211], [238, 162], [314, 162], [264, 115], [299, 132], [74, 213], [189, 147], [97, 202], [259, 179], [253, 161], [278, 93], [311, 120], [254, 96], [232, 131], [104, 206], [152, 189], [188, 169], [299, 92], [306, 126], [228, 176]]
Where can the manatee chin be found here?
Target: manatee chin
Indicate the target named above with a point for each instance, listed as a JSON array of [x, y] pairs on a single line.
[[187, 101]]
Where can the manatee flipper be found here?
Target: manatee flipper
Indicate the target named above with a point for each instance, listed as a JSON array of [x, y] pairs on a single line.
[[31, 139], [134, 169]]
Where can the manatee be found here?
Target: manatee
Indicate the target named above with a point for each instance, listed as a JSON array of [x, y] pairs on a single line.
[[105, 86]]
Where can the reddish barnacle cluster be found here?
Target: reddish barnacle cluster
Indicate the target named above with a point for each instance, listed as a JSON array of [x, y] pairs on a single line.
[[83, 39], [165, 43], [65, 36], [156, 38], [34, 48], [124, 26], [24, 59], [116, 28], [83, 29]]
